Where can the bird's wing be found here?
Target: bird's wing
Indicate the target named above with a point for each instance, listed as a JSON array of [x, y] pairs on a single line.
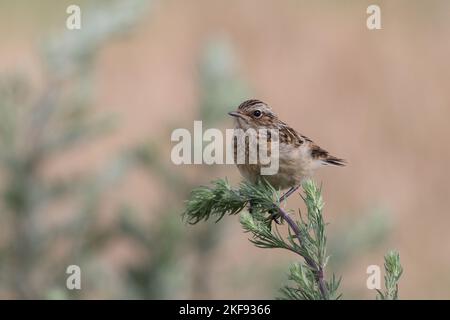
[[289, 135]]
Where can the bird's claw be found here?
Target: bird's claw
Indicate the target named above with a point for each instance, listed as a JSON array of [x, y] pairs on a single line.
[[274, 216]]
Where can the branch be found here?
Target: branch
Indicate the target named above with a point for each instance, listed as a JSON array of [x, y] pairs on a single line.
[[311, 263], [306, 239]]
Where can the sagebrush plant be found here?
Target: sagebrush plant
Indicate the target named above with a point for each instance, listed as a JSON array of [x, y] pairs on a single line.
[[305, 237], [393, 272]]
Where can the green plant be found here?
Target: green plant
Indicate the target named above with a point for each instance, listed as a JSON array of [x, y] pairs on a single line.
[[393, 271], [306, 237]]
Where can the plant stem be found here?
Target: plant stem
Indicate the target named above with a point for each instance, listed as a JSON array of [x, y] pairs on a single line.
[[317, 269]]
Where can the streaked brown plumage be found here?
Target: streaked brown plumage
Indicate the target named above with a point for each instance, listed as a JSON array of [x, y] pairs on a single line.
[[299, 156]]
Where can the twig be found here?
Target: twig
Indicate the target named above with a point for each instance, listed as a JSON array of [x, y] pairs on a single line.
[[317, 269]]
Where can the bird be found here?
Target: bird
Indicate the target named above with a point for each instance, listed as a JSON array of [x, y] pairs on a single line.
[[299, 156]]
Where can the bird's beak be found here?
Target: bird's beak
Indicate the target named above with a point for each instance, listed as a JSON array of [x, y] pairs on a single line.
[[236, 114]]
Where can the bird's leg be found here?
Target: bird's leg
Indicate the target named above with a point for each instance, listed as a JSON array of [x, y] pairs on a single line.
[[289, 192], [250, 207], [274, 216]]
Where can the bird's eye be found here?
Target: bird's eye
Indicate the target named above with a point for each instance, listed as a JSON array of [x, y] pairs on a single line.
[[257, 113]]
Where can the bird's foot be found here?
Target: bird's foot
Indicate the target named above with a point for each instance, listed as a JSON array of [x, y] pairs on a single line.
[[273, 216]]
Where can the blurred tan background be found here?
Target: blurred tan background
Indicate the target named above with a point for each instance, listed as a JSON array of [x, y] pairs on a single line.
[[103, 194]]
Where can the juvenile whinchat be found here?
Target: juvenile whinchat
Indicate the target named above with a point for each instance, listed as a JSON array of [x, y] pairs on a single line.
[[298, 157]]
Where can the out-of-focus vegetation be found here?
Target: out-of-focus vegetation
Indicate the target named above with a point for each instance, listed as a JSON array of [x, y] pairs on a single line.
[[38, 126]]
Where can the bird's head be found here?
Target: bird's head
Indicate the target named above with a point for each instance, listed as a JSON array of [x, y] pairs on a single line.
[[254, 114]]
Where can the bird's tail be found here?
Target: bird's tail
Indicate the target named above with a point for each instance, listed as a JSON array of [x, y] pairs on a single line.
[[335, 161]]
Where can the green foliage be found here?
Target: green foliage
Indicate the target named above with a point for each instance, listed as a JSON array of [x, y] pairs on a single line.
[[305, 237], [306, 285], [206, 201], [393, 271], [221, 199], [161, 275]]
